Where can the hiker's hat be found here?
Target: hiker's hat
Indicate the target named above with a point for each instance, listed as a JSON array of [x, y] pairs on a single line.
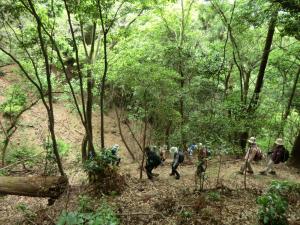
[[252, 140], [279, 141], [116, 146], [200, 145]]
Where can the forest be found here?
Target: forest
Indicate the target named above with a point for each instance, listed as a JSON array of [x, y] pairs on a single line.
[[169, 112]]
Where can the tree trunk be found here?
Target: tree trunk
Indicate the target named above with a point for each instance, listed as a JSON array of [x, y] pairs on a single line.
[[50, 186], [102, 89], [264, 61], [144, 145], [295, 156], [288, 108], [167, 134], [122, 136], [3, 150]]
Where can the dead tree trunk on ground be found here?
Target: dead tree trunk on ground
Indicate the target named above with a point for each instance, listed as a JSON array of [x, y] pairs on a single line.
[[47, 186]]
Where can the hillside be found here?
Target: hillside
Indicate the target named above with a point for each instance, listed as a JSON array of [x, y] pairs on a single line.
[[162, 201]]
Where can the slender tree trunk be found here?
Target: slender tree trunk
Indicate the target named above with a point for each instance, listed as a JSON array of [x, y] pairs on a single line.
[[133, 136], [144, 134], [167, 134], [83, 148], [289, 105], [264, 61], [3, 150], [144, 145], [182, 80], [102, 89], [89, 116], [122, 136]]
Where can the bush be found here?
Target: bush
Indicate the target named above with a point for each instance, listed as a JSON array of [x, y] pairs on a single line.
[[15, 101], [26, 153], [274, 204], [103, 215], [272, 209], [97, 164]]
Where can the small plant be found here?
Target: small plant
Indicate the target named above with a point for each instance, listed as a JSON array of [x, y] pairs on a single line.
[[85, 204], [214, 196], [103, 215], [272, 209], [184, 217], [3, 173], [273, 204], [63, 148], [25, 153], [28, 213]]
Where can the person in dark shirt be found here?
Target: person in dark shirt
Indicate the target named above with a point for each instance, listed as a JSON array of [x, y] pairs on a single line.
[[178, 158], [276, 155], [152, 161]]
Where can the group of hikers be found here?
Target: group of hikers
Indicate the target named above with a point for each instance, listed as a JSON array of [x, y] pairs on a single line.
[[156, 157], [277, 155]]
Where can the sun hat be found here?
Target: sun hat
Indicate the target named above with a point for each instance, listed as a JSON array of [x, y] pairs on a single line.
[[279, 141], [252, 140]]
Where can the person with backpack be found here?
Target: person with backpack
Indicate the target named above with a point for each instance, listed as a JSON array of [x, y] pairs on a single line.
[[191, 149], [153, 161], [178, 158], [201, 165], [251, 152], [278, 154], [114, 152]]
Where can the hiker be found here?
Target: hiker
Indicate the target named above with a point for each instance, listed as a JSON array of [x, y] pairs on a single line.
[[192, 148], [251, 152], [277, 154], [114, 151], [162, 154], [153, 161], [178, 158], [201, 165]]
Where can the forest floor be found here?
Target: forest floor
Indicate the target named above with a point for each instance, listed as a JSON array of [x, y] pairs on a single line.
[[162, 201]]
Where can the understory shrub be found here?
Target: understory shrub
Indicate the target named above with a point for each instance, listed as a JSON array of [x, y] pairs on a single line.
[[22, 153], [15, 101], [103, 215], [103, 172], [274, 203]]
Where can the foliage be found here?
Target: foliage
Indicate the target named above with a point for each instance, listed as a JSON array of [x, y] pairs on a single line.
[[274, 204], [26, 211], [50, 164], [102, 215], [23, 153], [214, 196], [15, 101], [97, 164]]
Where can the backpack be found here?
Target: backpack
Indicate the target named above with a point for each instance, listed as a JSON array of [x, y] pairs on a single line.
[[181, 157], [258, 156], [155, 159], [285, 155]]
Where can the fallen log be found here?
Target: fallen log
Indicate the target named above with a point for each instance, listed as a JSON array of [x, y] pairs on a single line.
[[36, 186]]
